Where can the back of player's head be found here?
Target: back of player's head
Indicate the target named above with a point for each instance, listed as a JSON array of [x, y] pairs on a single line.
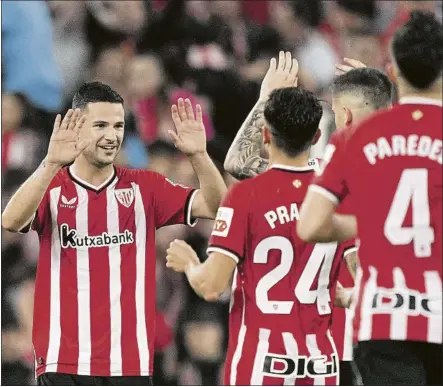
[[372, 87], [292, 116], [95, 92], [417, 48]]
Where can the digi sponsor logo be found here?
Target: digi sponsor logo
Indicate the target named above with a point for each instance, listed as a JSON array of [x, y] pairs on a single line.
[[223, 221], [281, 366]]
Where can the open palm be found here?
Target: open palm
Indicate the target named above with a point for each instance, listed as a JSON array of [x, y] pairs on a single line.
[[64, 145], [191, 135]]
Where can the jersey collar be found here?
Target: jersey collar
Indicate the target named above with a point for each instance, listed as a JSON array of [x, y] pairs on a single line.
[[307, 168], [419, 101], [89, 186]]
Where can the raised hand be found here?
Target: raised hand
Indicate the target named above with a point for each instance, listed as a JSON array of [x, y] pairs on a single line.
[[283, 74], [64, 145], [180, 255], [351, 64], [191, 135]]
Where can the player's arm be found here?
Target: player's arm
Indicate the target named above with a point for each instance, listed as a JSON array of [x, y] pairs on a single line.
[[343, 296], [21, 209], [243, 159], [319, 221], [208, 279], [191, 140], [244, 156], [352, 262], [212, 187], [63, 149]]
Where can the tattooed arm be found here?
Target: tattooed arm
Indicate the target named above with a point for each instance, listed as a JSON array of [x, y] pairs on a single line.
[[352, 262], [243, 159]]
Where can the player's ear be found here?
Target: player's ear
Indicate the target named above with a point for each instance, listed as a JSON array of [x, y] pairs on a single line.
[[348, 116], [317, 136], [391, 72], [266, 135]]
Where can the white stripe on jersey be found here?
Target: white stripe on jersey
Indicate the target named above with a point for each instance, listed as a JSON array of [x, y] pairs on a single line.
[[347, 340], [292, 351], [398, 329], [311, 344], [434, 291], [336, 359], [83, 286], [365, 329], [114, 283], [240, 341], [262, 350], [140, 285], [54, 316]]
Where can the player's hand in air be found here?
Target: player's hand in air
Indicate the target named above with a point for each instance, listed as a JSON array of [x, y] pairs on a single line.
[[180, 255], [65, 145], [191, 135], [281, 74], [351, 64]]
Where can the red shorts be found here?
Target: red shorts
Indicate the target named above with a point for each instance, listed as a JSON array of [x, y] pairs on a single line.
[[268, 358]]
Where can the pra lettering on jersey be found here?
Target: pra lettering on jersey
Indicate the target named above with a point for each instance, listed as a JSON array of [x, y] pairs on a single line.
[[282, 215], [411, 302], [281, 366], [413, 145], [223, 221], [70, 238]]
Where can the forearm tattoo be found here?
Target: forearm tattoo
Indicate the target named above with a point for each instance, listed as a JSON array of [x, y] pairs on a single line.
[[244, 155]]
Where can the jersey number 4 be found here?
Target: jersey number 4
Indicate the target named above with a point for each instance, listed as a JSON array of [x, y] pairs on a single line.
[[412, 189], [319, 263]]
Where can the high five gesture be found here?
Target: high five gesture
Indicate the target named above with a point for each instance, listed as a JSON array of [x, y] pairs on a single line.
[[65, 145]]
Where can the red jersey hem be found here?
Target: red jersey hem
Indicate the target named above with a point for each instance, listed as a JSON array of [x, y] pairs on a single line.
[[72, 369]]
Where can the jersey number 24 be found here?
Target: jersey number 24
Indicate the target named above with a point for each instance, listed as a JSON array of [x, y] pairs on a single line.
[[320, 260]]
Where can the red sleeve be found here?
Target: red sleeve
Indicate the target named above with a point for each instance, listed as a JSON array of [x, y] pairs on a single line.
[[330, 180], [172, 202], [230, 226]]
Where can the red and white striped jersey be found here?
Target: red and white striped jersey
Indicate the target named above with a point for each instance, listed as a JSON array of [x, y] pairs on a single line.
[[341, 327], [94, 308], [390, 169], [283, 289]]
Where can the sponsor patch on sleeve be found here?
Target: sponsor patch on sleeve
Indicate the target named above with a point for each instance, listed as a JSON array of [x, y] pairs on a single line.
[[223, 221]]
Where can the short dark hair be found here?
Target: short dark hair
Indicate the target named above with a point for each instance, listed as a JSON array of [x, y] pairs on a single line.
[[95, 92], [373, 85], [417, 48], [293, 116]]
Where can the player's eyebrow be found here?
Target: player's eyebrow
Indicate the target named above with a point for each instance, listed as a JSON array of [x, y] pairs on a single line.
[[101, 122]]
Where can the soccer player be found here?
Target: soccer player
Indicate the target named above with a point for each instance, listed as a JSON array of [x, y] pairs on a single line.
[[356, 94], [94, 310], [282, 288], [390, 169]]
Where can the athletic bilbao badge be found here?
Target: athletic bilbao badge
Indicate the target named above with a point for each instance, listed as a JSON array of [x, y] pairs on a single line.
[[125, 196]]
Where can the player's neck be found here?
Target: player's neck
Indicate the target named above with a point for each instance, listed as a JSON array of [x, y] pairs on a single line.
[[91, 174], [434, 92], [282, 159]]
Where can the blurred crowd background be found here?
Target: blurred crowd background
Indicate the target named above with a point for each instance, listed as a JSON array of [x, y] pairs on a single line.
[[152, 52]]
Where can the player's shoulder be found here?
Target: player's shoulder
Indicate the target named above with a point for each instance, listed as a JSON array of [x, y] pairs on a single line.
[[382, 120], [61, 177], [138, 176]]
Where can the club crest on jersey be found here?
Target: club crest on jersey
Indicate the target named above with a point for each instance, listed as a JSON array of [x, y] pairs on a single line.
[[223, 221], [125, 196], [68, 203]]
